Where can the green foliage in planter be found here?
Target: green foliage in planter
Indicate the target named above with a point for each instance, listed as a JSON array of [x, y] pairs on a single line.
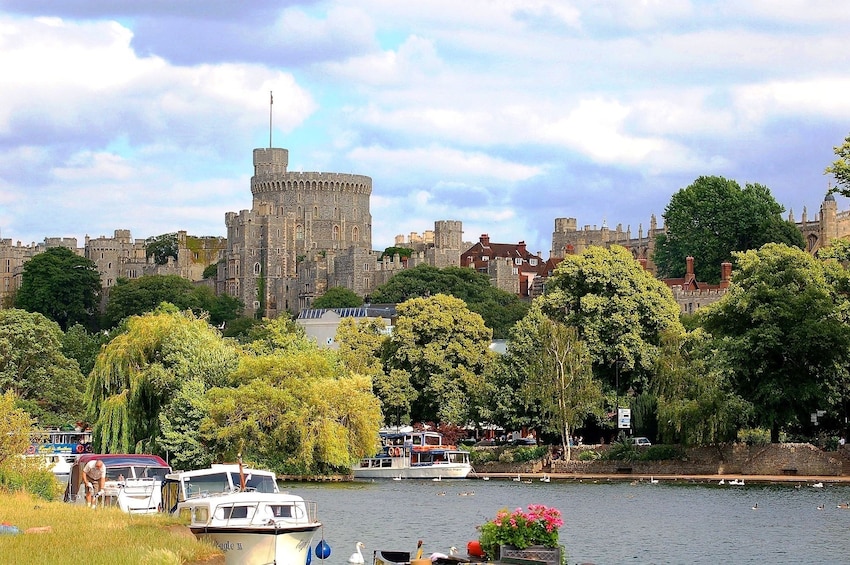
[[622, 450], [660, 453], [523, 454], [478, 456]]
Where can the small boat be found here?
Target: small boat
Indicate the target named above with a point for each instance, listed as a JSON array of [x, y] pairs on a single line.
[[132, 484], [410, 454], [243, 513]]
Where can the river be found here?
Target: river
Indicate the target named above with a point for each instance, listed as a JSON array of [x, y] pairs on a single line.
[[670, 522]]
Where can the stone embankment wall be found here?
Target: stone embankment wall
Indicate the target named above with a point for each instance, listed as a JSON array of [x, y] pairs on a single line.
[[737, 459]]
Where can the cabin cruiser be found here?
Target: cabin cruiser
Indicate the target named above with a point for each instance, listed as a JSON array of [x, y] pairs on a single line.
[[132, 484], [243, 513], [409, 454], [58, 450]]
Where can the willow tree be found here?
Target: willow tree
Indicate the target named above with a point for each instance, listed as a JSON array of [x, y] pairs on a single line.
[[140, 370], [295, 411]]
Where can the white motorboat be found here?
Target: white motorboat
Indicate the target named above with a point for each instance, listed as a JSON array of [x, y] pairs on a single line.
[[132, 483], [243, 513], [412, 454], [58, 450]]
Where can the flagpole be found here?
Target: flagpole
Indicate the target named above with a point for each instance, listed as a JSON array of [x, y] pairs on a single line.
[[271, 104]]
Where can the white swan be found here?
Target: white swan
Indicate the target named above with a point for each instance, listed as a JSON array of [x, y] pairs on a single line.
[[817, 485], [357, 557], [437, 556], [544, 479], [517, 479], [653, 481], [437, 479], [722, 482]]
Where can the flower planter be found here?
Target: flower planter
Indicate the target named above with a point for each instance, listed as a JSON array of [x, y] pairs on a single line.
[[549, 555]]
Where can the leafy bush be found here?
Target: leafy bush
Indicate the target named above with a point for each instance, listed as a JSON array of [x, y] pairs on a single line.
[[478, 456], [754, 436], [660, 453], [625, 450], [523, 454], [588, 455]]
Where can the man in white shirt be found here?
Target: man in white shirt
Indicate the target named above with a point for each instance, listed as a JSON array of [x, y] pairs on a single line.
[[94, 472]]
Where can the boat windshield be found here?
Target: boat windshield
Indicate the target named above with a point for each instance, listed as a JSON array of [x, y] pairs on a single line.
[[256, 482]]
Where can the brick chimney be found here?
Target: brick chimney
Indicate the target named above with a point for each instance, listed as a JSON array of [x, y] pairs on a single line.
[[484, 240], [725, 274], [689, 273], [521, 248]]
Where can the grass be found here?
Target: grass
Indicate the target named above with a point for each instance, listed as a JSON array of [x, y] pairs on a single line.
[[102, 536]]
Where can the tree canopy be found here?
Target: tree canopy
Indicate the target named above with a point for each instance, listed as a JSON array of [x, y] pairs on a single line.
[[162, 247], [712, 218], [840, 168], [47, 384], [619, 309], [782, 331], [138, 296], [338, 297], [444, 348], [499, 309], [61, 285]]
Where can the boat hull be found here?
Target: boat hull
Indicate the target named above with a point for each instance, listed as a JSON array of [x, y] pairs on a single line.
[[260, 546]]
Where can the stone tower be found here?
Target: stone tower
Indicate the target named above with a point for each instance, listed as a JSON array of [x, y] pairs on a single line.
[[295, 217]]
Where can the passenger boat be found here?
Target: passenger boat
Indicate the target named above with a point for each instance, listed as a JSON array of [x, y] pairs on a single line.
[[408, 454], [133, 482], [58, 450], [243, 513]]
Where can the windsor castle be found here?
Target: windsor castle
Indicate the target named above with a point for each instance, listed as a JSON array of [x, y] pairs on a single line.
[[309, 231]]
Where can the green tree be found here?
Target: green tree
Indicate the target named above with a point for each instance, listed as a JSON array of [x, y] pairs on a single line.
[[499, 309], [297, 411], [180, 424], [61, 285], [840, 168], [713, 217], [445, 349], [619, 309], [82, 346], [784, 335], [139, 296], [48, 384], [695, 401], [138, 373], [560, 379], [210, 271], [403, 252], [162, 247], [15, 426], [338, 297]]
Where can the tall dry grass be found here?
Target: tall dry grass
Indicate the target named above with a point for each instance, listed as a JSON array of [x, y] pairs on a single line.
[[102, 536]]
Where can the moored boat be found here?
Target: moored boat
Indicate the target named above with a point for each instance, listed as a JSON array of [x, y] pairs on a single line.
[[132, 483], [409, 454], [58, 450], [243, 513]]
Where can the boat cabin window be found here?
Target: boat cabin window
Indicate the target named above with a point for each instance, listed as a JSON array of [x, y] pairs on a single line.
[[281, 510], [157, 473], [118, 473], [235, 512], [202, 485], [200, 514]]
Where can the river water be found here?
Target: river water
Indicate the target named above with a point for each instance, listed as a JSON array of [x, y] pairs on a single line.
[[605, 522]]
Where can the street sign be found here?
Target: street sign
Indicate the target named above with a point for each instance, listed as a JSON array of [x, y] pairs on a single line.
[[624, 418]]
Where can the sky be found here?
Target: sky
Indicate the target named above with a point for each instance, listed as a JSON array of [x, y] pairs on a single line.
[[504, 114]]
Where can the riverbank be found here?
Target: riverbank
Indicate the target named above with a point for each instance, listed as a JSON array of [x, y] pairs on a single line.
[[57, 533], [623, 477]]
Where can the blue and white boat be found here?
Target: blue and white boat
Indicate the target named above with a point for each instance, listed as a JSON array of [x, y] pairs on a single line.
[[409, 454]]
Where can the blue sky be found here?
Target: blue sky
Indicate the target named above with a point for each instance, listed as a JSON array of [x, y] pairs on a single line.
[[504, 114]]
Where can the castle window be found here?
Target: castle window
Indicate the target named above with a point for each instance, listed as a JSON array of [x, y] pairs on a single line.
[[365, 266], [277, 270], [315, 211], [335, 233], [195, 255], [355, 234], [518, 261], [485, 258], [299, 232], [256, 268], [515, 271], [532, 262], [8, 265]]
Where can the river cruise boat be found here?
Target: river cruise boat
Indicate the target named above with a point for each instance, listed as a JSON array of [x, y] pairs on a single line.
[[59, 450], [243, 513], [408, 454], [133, 482]]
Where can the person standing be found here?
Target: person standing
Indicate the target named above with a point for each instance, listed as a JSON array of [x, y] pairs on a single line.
[[94, 472]]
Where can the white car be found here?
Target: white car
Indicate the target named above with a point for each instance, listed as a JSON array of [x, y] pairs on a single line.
[[641, 441]]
